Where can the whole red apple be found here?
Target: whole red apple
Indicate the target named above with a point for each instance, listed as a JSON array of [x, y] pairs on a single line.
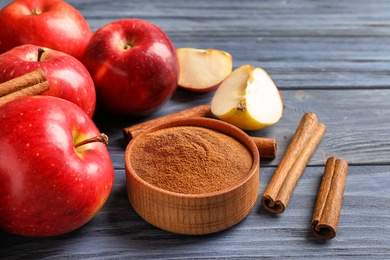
[[134, 66], [51, 23], [49, 185], [67, 76]]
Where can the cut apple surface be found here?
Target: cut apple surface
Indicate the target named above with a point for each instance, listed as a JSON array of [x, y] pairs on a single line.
[[248, 99], [203, 70]]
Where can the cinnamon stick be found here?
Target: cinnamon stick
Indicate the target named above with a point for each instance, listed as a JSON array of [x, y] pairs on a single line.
[[327, 209], [307, 137], [267, 146], [201, 111], [32, 83]]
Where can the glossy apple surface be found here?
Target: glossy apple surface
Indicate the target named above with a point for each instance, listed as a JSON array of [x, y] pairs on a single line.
[[134, 66], [67, 76], [47, 186], [51, 23]]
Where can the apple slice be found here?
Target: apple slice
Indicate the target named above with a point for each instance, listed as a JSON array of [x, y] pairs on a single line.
[[203, 70], [248, 99]]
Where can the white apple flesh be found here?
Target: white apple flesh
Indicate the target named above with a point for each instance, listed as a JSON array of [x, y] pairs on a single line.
[[248, 99], [203, 70]]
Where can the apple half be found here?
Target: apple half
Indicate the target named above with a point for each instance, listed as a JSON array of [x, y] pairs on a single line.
[[248, 99], [203, 70]]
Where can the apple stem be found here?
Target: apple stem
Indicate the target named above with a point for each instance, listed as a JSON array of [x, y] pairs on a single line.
[[127, 46], [103, 138], [40, 52], [35, 12], [242, 105]]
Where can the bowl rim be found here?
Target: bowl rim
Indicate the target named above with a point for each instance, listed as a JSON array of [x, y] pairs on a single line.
[[209, 123]]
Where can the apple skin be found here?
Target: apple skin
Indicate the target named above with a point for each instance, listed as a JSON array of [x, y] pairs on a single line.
[[134, 67], [68, 78], [51, 23], [47, 186]]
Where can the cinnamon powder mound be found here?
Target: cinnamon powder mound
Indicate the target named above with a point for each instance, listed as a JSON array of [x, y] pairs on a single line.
[[190, 160]]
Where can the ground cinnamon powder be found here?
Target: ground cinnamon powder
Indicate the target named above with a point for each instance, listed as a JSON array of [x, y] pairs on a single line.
[[190, 159]]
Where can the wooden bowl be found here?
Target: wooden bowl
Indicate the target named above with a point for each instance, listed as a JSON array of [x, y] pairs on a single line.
[[194, 214]]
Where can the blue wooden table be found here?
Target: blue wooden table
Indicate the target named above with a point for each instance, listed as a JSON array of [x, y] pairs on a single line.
[[328, 57]]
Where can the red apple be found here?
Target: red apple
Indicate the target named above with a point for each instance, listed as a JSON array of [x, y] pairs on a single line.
[[134, 66], [51, 23], [67, 76], [49, 185]]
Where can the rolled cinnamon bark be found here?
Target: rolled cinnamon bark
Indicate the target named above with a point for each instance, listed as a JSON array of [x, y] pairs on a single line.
[[324, 223], [29, 84], [24, 81], [306, 139], [201, 111], [267, 146]]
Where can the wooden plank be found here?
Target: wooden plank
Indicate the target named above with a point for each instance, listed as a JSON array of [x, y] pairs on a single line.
[[303, 44], [329, 57], [118, 232], [358, 123]]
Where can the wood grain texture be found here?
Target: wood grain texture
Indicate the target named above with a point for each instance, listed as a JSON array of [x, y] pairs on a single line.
[[295, 41], [328, 57], [117, 232], [357, 121]]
